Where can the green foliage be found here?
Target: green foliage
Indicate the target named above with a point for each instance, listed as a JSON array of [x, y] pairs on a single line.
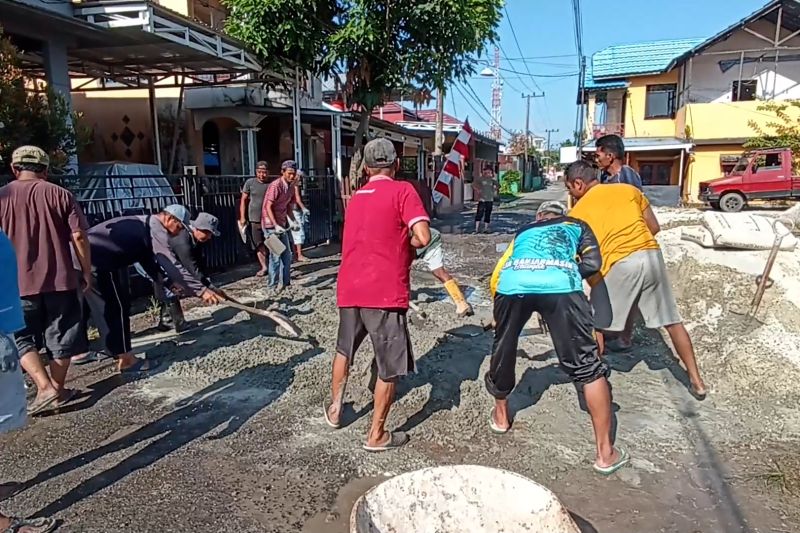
[[511, 176], [33, 114], [783, 132]]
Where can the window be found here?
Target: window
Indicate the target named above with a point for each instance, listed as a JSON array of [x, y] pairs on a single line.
[[744, 91], [656, 173], [767, 163], [660, 101]]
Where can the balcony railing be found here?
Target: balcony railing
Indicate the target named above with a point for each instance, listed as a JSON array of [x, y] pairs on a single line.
[[610, 128]]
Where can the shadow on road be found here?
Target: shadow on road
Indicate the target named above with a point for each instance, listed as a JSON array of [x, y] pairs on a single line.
[[226, 405]]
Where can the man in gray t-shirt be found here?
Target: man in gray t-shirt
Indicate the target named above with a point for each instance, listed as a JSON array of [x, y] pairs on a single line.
[[250, 207]]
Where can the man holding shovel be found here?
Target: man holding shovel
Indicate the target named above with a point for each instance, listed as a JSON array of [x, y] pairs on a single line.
[[373, 286], [277, 218]]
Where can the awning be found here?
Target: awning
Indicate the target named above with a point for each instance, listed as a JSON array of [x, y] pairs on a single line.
[[131, 42], [649, 144]]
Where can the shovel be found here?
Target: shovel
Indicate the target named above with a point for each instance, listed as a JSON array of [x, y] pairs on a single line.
[[763, 281], [290, 327]]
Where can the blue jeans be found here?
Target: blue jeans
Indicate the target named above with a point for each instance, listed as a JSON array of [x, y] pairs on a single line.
[[279, 265]]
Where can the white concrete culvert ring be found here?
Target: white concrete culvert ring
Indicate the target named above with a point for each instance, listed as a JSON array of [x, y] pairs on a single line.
[[460, 499]]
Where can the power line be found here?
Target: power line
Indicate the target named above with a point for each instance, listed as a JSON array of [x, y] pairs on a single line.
[[477, 99], [519, 48]]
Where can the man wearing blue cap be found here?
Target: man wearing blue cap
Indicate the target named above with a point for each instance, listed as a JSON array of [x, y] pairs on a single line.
[[277, 217], [117, 244]]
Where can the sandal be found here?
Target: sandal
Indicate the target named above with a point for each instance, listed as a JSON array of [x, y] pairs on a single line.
[[497, 430], [141, 365], [90, 357], [331, 423], [37, 407], [624, 459], [33, 525], [396, 440], [66, 396], [697, 395]]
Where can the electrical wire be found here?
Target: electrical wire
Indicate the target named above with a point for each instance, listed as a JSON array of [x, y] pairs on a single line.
[[516, 41]]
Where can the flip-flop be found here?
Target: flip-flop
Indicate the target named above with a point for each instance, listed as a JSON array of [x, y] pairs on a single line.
[[624, 459], [33, 525], [90, 357], [396, 440], [9, 489], [616, 346], [141, 365], [69, 395], [697, 396], [328, 420], [37, 407], [497, 430]]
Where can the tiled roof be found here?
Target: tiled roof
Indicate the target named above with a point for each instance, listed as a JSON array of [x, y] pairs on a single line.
[[429, 115], [638, 59], [592, 84]]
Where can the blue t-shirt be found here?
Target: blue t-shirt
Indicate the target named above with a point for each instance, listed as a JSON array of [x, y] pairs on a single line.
[[626, 175], [549, 257], [11, 319]]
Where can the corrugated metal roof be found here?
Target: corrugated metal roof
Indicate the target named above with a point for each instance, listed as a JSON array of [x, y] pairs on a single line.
[[639, 59]]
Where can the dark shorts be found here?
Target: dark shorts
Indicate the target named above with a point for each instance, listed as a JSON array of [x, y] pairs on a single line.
[[569, 319], [484, 212], [388, 330], [55, 319], [255, 235]]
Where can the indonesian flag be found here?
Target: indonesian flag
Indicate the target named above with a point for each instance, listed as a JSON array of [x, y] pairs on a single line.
[[452, 164]]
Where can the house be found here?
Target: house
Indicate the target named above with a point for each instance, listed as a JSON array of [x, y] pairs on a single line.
[[422, 122], [685, 107]]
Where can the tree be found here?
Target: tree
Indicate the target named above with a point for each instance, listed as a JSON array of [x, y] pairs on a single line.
[[381, 48], [783, 132], [516, 145], [31, 113]]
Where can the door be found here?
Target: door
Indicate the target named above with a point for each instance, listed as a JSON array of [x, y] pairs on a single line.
[[768, 176], [656, 173]]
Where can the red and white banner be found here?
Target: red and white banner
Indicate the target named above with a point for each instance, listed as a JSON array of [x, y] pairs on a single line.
[[452, 165]]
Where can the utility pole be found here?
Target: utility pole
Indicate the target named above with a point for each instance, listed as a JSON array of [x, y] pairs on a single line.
[[547, 148], [438, 140], [528, 129]]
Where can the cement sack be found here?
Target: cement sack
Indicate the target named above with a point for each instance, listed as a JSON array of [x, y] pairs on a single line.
[[746, 231], [698, 235]]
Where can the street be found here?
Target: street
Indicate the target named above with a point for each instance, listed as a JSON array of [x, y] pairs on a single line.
[[228, 434]]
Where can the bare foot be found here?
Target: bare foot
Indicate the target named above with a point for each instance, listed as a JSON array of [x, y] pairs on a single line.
[[605, 462], [302, 259], [261, 273], [698, 390]]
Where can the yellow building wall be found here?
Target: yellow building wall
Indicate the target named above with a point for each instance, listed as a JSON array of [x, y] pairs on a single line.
[[726, 120], [705, 165], [635, 123]]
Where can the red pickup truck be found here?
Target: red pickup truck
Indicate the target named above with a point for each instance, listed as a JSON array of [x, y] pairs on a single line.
[[759, 175]]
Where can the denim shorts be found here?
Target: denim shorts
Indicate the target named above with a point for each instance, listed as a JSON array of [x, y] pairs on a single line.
[[12, 390]]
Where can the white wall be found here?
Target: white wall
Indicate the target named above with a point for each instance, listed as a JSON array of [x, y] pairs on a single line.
[[710, 84]]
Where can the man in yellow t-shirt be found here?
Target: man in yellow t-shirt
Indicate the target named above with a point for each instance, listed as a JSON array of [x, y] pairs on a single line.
[[633, 271]]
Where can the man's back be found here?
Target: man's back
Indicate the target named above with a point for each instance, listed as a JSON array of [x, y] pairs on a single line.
[[542, 258], [376, 254], [39, 218], [615, 212], [120, 242]]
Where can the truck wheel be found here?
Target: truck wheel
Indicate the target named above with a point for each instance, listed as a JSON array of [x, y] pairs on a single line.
[[731, 202]]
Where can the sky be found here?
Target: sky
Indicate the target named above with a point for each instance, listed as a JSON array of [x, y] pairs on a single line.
[[544, 29]]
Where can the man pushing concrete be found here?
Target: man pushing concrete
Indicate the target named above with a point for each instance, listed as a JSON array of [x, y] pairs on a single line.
[[542, 271]]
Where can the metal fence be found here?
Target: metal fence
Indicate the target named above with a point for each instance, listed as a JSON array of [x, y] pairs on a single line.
[[104, 197]]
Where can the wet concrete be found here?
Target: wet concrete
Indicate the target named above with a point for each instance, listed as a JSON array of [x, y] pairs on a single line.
[[228, 435]]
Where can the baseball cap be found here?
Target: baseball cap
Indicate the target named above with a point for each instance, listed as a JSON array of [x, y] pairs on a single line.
[[179, 212], [289, 165], [206, 222], [379, 153], [30, 154], [553, 207]]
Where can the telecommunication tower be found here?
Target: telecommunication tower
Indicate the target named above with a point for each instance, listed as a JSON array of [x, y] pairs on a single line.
[[497, 98]]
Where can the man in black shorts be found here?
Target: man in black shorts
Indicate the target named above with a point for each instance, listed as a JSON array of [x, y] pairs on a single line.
[[485, 187], [373, 286], [250, 206], [539, 273], [43, 222]]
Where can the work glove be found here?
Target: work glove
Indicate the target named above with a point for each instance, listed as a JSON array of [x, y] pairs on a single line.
[[278, 230], [9, 362], [293, 225]]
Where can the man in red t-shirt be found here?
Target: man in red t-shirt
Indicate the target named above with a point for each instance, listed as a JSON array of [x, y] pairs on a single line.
[[374, 283]]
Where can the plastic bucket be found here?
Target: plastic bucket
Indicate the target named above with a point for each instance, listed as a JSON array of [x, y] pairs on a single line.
[[460, 499]]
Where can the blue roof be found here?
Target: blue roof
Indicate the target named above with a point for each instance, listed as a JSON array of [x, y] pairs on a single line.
[[638, 59], [591, 84]]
